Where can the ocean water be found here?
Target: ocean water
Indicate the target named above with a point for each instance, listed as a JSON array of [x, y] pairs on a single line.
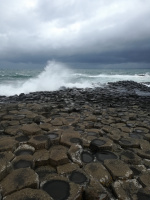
[[56, 75]]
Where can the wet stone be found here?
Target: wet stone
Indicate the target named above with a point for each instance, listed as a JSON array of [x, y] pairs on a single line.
[[118, 169], [126, 189], [45, 171], [130, 157], [95, 191], [22, 138], [98, 172], [58, 155], [41, 157], [143, 194], [57, 189], [40, 142], [101, 144], [8, 144], [19, 179], [69, 138], [129, 143], [54, 138], [29, 194], [67, 168], [76, 140], [24, 149], [87, 157], [144, 179], [74, 154], [78, 177], [30, 129], [60, 189], [23, 161], [105, 155]]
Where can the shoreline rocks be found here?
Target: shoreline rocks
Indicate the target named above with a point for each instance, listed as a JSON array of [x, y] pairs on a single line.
[[95, 143]]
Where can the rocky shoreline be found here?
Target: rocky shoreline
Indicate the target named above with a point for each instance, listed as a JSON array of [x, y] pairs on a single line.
[[76, 144]]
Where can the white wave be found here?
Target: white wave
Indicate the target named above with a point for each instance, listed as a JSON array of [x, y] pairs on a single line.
[[54, 76]]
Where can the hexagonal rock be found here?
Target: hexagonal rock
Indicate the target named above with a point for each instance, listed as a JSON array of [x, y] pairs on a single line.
[[67, 168], [46, 126], [24, 149], [41, 157], [70, 138], [126, 189], [30, 129], [5, 165], [98, 172], [101, 144], [144, 153], [144, 179], [78, 176], [19, 179], [74, 153], [143, 193], [130, 157], [129, 143], [12, 130], [54, 137], [144, 145], [29, 193], [60, 188], [57, 121], [23, 161], [58, 155], [45, 171], [8, 144], [118, 169], [95, 191], [40, 142]]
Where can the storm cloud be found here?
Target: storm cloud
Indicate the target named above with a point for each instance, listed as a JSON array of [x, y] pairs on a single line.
[[99, 31]]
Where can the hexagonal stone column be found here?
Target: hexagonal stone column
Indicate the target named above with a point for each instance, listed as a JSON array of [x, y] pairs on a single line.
[[19, 179]]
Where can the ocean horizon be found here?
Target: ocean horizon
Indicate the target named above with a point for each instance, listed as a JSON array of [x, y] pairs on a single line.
[[57, 75]]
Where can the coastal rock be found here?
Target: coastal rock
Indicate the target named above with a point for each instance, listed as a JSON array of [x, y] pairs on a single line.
[[58, 155], [30, 129], [118, 169], [98, 172], [19, 179], [126, 189], [29, 194], [8, 144]]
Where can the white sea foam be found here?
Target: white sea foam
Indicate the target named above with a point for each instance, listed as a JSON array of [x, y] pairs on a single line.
[[55, 75]]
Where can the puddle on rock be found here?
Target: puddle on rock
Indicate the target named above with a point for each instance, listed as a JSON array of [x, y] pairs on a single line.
[[22, 164], [24, 152], [87, 157], [57, 189], [77, 177], [105, 155]]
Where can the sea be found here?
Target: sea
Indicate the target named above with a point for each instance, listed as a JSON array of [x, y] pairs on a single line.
[[55, 76]]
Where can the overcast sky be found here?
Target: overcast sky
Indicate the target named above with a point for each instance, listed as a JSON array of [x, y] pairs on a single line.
[[82, 31]]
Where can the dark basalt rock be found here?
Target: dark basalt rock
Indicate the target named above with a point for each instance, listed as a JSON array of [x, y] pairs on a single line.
[[77, 177], [52, 136], [76, 140], [105, 155], [40, 138], [24, 152], [96, 144], [57, 189], [87, 157], [22, 164], [22, 138]]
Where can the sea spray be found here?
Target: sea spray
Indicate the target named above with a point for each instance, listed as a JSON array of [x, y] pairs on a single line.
[[52, 78]]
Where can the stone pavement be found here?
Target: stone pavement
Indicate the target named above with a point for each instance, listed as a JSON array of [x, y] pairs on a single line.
[[76, 144]]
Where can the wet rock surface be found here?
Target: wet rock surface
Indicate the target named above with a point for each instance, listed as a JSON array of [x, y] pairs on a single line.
[[89, 143]]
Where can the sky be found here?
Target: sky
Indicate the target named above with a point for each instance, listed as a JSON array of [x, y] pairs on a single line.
[[74, 31]]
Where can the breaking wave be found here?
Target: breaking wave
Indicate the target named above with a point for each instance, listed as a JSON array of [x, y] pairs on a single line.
[[56, 75]]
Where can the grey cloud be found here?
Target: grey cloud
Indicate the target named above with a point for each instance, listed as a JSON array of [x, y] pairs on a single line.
[[75, 31]]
